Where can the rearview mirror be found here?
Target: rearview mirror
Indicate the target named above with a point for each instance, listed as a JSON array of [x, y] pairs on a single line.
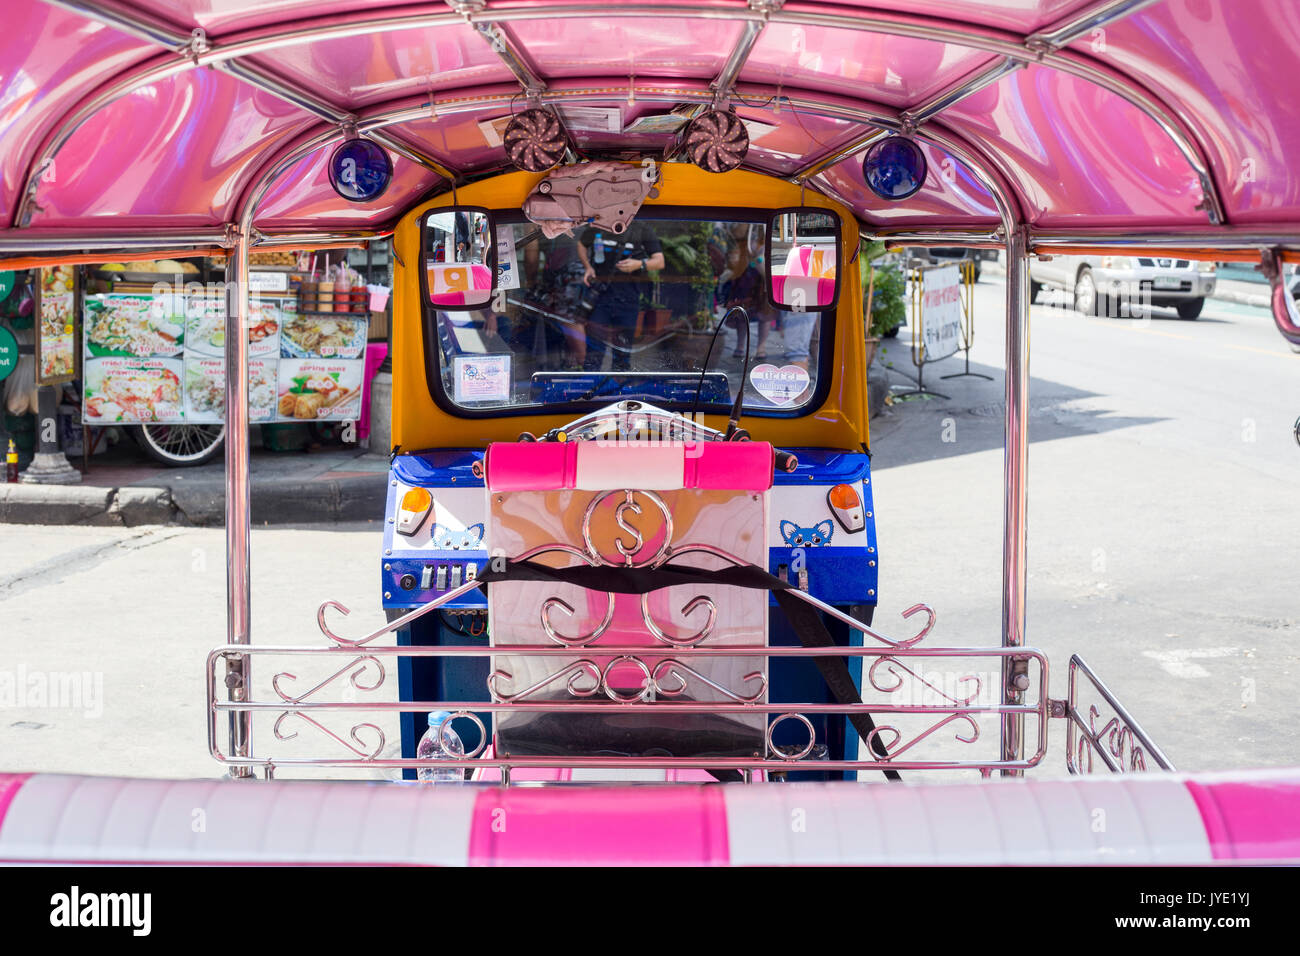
[[803, 254], [459, 250]]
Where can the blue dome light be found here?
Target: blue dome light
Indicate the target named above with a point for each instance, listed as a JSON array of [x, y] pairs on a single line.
[[894, 168], [360, 170]]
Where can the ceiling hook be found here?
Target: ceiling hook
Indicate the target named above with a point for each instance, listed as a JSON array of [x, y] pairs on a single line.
[[198, 44]]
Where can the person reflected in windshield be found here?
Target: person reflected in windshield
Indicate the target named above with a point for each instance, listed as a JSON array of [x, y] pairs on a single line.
[[741, 284], [553, 283], [616, 273]]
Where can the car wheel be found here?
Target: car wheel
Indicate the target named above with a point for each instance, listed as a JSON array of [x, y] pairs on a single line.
[[1191, 308], [1086, 298], [180, 445]]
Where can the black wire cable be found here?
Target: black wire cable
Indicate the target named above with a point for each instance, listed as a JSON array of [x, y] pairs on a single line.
[[704, 366]]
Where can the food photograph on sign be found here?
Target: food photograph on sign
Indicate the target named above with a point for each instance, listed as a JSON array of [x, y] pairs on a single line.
[[133, 390], [313, 389], [205, 389], [142, 326], [323, 336], [205, 325], [56, 344]]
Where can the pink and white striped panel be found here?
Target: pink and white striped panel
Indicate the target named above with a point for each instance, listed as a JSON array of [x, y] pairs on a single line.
[[1151, 819], [597, 466]]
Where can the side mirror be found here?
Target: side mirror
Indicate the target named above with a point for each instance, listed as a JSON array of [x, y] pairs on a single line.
[[803, 255], [458, 246]]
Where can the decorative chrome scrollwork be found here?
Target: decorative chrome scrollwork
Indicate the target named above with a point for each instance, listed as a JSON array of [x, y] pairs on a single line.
[[1121, 743], [628, 504], [358, 746], [644, 692], [1115, 736], [780, 754], [574, 672], [357, 666], [694, 604], [876, 737], [671, 668], [668, 678], [891, 666], [582, 639]]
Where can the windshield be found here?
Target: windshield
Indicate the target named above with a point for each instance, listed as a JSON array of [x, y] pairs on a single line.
[[595, 317]]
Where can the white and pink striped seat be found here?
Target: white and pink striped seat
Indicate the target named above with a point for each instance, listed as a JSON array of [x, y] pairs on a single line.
[[1149, 818]]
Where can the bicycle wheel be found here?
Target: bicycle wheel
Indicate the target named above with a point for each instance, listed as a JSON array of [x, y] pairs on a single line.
[[180, 445]]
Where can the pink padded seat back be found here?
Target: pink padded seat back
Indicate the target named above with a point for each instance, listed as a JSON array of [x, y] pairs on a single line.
[[596, 466]]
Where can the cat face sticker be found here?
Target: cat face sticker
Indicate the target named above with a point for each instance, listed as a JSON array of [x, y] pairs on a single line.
[[814, 537], [451, 539]]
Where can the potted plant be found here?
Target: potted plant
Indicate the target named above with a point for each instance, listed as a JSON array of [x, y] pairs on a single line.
[[883, 285]]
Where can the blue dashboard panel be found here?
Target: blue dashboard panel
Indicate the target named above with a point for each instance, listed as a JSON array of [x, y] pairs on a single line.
[[549, 387], [440, 468], [842, 565], [446, 549]]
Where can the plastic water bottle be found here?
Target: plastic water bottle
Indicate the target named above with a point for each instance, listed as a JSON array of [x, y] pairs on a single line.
[[440, 744]]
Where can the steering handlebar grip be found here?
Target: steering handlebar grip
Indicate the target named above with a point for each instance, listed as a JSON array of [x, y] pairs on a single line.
[[785, 461]]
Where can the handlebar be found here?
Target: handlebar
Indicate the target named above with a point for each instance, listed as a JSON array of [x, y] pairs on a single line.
[[631, 417]]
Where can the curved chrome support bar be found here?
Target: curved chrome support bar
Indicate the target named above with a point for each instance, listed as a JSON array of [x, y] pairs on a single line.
[[575, 672], [391, 626], [648, 685], [874, 737], [812, 737], [674, 668], [555, 546], [582, 639], [930, 618], [1285, 314], [358, 745], [891, 667], [355, 679], [483, 735], [807, 598], [700, 635]]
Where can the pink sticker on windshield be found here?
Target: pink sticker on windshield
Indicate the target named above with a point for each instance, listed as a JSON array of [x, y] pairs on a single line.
[[780, 386]]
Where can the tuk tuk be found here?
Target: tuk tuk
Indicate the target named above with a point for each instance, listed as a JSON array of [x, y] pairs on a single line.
[[629, 535]]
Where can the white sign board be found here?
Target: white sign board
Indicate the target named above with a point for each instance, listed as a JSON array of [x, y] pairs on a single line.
[[941, 312], [507, 263]]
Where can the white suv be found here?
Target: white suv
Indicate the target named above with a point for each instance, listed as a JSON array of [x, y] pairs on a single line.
[[1124, 285]]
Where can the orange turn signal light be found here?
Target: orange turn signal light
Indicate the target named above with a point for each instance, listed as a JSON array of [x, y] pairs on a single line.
[[414, 507], [846, 505]]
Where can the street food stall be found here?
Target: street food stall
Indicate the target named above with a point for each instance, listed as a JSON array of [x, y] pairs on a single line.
[[630, 528]]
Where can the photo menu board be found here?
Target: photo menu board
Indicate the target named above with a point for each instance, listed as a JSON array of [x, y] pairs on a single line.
[[161, 358], [56, 340]]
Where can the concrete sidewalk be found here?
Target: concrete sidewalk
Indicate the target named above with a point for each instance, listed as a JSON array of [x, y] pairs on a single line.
[[123, 488]]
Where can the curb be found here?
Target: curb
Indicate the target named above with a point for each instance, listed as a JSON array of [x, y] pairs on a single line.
[[198, 504], [1242, 298]]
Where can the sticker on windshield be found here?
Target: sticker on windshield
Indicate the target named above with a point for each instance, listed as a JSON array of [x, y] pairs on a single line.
[[507, 271], [780, 386], [481, 378]]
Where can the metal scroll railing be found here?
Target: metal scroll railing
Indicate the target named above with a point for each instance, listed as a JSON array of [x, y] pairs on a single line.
[[336, 705], [1119, 744]]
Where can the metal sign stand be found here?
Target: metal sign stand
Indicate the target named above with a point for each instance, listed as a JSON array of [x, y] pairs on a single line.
[[918, 344], [968, 323]]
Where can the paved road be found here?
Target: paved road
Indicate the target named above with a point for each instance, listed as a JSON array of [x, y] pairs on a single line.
[[1163, 529], [1162, 547]]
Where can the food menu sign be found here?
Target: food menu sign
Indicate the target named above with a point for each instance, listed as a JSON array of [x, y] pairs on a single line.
[[56, 339], [161, 358]]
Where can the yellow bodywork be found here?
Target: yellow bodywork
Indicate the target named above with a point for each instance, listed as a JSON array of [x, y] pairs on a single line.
[[418, 423]]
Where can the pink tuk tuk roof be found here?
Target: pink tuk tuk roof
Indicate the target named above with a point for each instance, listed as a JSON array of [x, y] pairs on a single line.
[[1072, 117]]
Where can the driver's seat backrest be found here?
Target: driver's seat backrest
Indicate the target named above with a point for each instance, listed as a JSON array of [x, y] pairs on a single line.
[[586, 498]]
